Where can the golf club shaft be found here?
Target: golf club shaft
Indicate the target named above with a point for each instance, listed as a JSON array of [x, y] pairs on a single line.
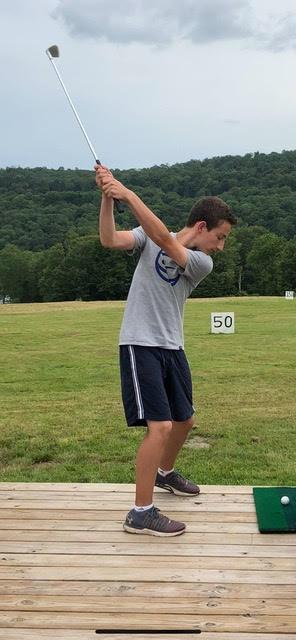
[[116, 202]]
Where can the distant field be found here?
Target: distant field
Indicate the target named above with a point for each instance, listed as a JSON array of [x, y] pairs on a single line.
[[60, 413]]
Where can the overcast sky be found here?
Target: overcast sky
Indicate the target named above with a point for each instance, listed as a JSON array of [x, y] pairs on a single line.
[[154, 81]]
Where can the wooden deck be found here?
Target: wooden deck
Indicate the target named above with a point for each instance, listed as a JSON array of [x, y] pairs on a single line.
[[68, 570]]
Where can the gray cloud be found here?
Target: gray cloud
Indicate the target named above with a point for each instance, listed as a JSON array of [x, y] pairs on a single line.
[[159, 22], [282, 34]]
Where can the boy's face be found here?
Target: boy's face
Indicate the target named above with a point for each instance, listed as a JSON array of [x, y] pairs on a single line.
[[211, 241]]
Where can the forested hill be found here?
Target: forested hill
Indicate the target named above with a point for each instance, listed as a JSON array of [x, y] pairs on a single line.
[[39, 206]]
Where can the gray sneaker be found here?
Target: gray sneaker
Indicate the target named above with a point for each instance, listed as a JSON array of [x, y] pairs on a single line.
[[153, 523], [175, 483]]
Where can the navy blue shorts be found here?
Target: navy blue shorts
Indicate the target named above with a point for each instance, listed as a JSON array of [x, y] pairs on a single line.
[[156, 384]]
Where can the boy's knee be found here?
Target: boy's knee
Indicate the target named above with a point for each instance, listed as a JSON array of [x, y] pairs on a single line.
[[166, 428], [190, 422], [161, 430]]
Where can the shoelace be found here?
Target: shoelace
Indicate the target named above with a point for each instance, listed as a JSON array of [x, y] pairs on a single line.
[[155, 513], [178, 475]]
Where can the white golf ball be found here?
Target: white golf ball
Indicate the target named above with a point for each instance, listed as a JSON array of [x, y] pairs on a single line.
[[285, 500]]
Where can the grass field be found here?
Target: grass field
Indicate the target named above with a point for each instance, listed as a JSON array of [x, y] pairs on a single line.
[[61, 416]]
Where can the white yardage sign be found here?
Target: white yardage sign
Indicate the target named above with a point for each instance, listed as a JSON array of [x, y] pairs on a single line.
[[222, 322], [289, 295]]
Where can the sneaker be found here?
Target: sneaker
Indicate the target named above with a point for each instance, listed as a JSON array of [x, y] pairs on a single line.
[[153, 523], [175, 483]]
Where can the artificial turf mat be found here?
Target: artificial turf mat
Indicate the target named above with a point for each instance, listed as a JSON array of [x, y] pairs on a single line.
[[272, 515]]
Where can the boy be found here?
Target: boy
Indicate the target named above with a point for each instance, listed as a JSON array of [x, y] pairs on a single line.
[[155, 375]]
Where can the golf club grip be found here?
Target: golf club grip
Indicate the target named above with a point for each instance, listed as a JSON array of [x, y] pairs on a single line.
[[117, 203], [118, 206]]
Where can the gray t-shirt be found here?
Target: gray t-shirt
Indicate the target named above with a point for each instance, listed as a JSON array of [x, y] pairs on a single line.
[[154, 309]]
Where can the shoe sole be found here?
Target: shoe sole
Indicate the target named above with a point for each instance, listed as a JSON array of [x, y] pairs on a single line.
[[176, 491], [150, 532]]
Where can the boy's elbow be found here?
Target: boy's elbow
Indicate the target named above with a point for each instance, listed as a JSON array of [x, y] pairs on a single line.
[[165, 240], [105, 242]]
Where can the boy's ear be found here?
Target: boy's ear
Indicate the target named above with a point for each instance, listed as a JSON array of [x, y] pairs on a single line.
[[200, 226]]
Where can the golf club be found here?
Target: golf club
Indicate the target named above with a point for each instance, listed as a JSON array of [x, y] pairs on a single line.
[[53, 52]]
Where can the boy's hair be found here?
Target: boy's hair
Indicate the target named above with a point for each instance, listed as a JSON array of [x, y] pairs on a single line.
[[212, 210]]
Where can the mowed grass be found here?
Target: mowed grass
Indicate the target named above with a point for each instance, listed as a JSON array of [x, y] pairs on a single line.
[[61, 415]]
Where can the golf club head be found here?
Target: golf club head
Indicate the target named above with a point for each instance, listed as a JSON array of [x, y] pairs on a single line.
[[54, 51]]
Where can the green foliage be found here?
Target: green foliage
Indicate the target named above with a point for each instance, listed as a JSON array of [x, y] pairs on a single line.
[[92, 273], [48, 234], [81, 269], [263, 263], [288, 266], [51, 273], [16, 277]]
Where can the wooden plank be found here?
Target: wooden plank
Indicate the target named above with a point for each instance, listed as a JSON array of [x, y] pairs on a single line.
[[121, 536], [161, 497], [66, 634], [200, 606], [119, 515], [206, 562], [236, 636], [134, 549], [100, 486], [96, 505], [112, 525], [134, 574], [146, 590], [156, 622]]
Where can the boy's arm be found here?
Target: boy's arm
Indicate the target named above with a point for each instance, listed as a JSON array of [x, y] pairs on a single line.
[[109, 236], [152, 225]]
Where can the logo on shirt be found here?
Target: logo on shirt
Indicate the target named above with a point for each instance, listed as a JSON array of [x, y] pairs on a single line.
[[166, 268]]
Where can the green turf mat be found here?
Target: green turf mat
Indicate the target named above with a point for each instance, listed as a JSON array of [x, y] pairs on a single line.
[[272, 515]]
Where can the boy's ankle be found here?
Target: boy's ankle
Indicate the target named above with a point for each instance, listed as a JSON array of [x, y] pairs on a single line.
[[141, 509]]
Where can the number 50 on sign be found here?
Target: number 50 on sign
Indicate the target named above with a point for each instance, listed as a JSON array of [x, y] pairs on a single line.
[[222, 322]]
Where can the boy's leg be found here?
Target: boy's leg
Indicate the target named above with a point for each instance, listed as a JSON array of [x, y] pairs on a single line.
[[173, 481], [144, 395], [148, 460], [176, 439], [179, 390], [150, 520]]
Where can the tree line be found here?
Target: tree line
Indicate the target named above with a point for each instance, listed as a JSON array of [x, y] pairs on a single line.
[[254, 262], [49, 248]]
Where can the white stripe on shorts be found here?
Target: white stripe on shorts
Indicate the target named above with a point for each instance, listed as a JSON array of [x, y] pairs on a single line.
[[136, 383]]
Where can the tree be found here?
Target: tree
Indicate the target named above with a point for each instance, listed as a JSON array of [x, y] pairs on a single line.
[[264, 265], [94, 273], [39, 206], [51, 274], [14, 273], [288, 267], [245, 237]]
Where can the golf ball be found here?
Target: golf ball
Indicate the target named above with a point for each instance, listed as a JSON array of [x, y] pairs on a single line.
[[285, 500]]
